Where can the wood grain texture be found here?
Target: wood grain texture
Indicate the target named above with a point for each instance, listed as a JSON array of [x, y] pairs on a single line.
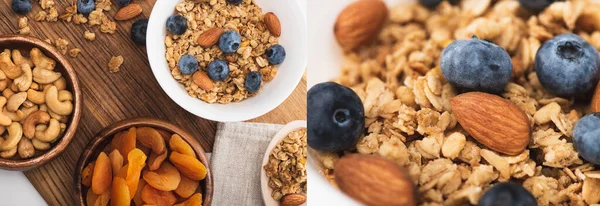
[[132, 92]]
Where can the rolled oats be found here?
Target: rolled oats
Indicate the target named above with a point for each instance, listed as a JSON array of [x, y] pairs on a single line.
[[286, 166]]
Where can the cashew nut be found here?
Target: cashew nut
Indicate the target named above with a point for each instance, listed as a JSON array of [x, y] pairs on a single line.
[[2, 75], [39, 145], [15, 101], [25, 148], [42, 61], [51, 133], [8, 153], [44, 107], [15, 132], [60, 118], [61, 83], [18, 59], [2, 129], [7, 93], [43, 76], [25, 112], [28, 104], [14, 87], [12, 115], [4, 119], [36, 97], [34, 86], [11, 70], [59, 107], [24, 81], [41, 127], [64, 95], [3, 83], [33, 120]]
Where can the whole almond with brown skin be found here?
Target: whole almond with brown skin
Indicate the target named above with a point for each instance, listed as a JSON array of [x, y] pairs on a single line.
[[210, 37], [293, 199], [273, 24], [596, 99], [359, 23], [128, 12], [374, 180], [493, 121], [202, 80]]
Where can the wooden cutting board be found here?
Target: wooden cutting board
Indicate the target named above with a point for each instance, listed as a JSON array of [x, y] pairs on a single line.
[[110, 97]]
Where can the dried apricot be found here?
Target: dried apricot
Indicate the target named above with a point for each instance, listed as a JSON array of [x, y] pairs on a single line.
[[152, 196], [187, 187], [98, 200], [165, 178], [120, 192], [154, 161], [188, 166], [116, 161], [91, 198], [149, 137], [176, 143], [124, 141], [137, 198], [137, 162], [102, 175], [86, 174], [123, 171], [194, 200]]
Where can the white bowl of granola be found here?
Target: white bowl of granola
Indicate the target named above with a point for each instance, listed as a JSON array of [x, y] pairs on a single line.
[[235, 106]]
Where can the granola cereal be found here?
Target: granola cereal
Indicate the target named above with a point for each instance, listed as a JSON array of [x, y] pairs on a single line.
[[247, 20], [114, 65], [90, 36], [74, 52], [24, 26], [409, 118], [286, 168]]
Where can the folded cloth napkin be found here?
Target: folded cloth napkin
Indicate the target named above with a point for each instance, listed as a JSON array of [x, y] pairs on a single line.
[[237, 162]]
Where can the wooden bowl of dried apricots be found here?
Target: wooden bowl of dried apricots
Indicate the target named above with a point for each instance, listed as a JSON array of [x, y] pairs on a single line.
[[164, 165]]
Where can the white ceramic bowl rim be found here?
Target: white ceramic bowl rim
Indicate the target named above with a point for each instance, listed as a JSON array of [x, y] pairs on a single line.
[[290, 72]]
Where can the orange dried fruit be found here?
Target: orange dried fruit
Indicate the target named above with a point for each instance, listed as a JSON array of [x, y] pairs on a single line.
[[125, 141], [164, 134], [86, 174], [187, 187], [194, 200], [149, 137], [91, 198], [176, 143], [123, 171], [152, 196], [144, 149], [102, 175], [154, 161], [116, 161], [188, 166], [137, 162], [137, 198], [165, 178], [97, 200], [120, 193]]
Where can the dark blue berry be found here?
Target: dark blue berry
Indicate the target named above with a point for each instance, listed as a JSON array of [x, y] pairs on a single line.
[[430, 3], [138, 31], [188, 64], [335, 117], [507, 194], [123, 3], [253, 82], [21, 6], [234, 2], [177, 24], [86, 6], [218, 70], [229, 42], [536, 5], [586, 137], [476, 65], [275, 54], [567, 65]]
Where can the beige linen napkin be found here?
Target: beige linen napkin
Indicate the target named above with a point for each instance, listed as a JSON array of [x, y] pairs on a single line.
[[237, 162]]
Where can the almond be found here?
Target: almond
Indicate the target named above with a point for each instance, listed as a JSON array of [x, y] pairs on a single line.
[[359, 23], [493, 121], [202, 80], [293, 200], [374, 180], [596, 99], [210, 37], [273, 24], [128, 12]]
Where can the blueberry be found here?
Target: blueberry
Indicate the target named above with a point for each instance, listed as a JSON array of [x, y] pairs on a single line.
[[586, 137], [275, 54], [336, 117], [536, 5], [86, 6], [567, 65], [218, 70], [177, 24], [507, 194], [253, 81], [477, 65], [430, 3], [123, 3], [138, 31], [188, 64], [234, 2], [229, 42], [21, 6]]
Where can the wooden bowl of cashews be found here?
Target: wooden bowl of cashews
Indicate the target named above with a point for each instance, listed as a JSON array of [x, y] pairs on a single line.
[[40, 102]]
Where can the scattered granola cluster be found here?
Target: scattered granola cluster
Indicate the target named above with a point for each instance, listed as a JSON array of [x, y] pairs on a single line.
[[409, 117], [97, 17], [286, 167], [247, 20]]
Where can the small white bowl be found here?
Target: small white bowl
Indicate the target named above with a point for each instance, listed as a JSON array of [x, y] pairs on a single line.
[[293, 38], [264, 180]]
